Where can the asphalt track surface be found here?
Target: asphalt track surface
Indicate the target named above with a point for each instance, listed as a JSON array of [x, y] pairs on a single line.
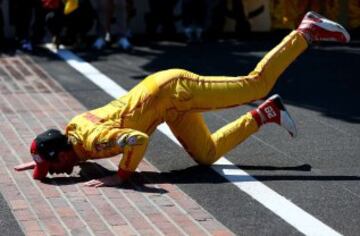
[[318, 171], [8, 224]]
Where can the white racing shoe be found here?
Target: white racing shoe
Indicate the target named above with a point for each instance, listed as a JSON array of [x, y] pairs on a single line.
[[274, 111], [316, 27]]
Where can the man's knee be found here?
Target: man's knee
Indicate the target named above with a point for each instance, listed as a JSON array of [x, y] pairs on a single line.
[[207, 157], [204, 162]]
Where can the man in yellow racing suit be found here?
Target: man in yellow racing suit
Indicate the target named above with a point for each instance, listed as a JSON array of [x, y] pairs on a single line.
[[178, 97]]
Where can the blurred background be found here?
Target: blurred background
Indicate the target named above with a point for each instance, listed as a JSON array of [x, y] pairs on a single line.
[[95, 23]]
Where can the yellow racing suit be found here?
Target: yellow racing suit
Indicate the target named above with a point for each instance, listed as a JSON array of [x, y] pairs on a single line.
[[178, 97]]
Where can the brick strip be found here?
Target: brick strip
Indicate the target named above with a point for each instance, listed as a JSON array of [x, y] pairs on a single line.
[[32, 101]]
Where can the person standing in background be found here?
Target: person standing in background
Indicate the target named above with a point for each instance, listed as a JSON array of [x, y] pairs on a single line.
[[53, 11], [1, 25], [242, 24], [193, 19], [113, 11], [68, 21], [78, 21], [29, 22], [284, 14], [161, 18]]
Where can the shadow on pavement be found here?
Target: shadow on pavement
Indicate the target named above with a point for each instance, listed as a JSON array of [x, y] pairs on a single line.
[[200, 174], [91, 170], [193, 175]]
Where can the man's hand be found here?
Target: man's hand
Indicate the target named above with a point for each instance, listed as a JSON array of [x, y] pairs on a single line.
[[25, 166], [113, 180]]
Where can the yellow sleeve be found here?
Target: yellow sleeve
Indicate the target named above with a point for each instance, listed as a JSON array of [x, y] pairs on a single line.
[[106, 137], [70, 6], [93, 139], [134, 150], [109, 141], [101, 139]]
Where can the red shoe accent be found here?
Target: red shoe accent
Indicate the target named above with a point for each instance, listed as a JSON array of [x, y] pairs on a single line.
[[256, 115], [270, 112], [274, 111], [318, 28]]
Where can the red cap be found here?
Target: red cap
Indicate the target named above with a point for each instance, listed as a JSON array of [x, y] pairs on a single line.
[[42, 166], [45, 149]]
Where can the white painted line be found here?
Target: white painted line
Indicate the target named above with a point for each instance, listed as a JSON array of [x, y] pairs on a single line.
[[288, 211]]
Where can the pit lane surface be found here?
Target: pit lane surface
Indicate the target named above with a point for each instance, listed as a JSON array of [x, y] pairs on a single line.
[[319, 171], [8, 224]]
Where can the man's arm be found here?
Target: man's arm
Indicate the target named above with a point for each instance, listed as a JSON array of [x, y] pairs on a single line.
[[134, 144], [25, 166]]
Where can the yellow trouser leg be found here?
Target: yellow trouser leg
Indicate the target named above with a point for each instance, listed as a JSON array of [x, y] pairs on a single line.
[[205, 148], [200, 93], [190, 92]]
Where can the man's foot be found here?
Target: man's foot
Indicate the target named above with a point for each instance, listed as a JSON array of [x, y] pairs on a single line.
[[56, 41], [26, 45], [274, 111], [99, 44], [124, 44], [315, 27], [188, 32]]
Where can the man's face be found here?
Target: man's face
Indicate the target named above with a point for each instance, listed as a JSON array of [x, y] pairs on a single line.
[[64, 163]]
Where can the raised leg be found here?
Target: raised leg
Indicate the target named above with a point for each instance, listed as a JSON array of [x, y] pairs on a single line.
[[192, 92]]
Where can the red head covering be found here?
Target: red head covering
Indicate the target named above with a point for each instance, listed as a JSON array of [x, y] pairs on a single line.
[[42, 166], [45, 149]]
